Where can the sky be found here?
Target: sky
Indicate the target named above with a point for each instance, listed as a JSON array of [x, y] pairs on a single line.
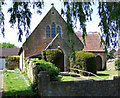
[[11, 34]]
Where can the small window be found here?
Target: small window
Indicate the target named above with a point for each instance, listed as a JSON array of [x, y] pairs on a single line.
[[47, 32], [59, 30], [53, 30], [52, 12]]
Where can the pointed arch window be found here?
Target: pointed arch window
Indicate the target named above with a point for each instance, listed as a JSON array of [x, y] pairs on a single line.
[[47, 31], [53, 30], [59, 30]]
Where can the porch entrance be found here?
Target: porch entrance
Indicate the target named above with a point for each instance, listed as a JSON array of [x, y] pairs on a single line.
[[99, 63]]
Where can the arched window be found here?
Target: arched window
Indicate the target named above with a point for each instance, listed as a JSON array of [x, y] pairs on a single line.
[[53, 30], [59, 30], [47, 32]]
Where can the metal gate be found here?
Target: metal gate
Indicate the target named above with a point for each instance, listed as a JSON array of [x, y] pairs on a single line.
[[2, 63]]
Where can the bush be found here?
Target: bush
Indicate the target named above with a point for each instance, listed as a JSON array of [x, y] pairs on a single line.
[[12, 62], [42, 65], [54, 56], [117, 64], [52, 70], [84, 61]]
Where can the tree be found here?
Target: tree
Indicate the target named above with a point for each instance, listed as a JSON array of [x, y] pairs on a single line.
[[74, 11], [111, 54], [7, 45]]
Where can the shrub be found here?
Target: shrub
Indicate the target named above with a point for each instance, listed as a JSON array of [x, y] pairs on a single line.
[[52, 70], [12, 62], [42, 65], [117, 64], [54, 56], [84, 61]]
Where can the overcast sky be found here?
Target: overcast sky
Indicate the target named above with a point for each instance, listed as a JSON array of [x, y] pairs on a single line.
[[11, 34]]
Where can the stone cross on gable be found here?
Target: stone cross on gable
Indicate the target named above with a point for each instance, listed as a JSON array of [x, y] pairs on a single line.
[[52, 4]]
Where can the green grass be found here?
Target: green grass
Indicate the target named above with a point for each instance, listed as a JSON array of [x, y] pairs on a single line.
[[15, 85], [103, 74], [66, 78]]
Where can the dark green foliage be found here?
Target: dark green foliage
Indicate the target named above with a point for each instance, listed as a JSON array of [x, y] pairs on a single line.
[[84, 61], [110, 21], [42, 65], [111, 54], [77, 11], [7, 45], [52, 70], [12, 62], [117, 64], [21, 13], [54, 56]]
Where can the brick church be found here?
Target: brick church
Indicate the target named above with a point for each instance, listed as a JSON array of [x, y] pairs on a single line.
[[51, 33]]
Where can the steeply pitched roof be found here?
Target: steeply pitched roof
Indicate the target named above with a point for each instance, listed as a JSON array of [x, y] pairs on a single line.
[[4, 52], [40, 47], [92, 42]]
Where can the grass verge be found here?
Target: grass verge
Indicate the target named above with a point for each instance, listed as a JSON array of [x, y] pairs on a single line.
[[66, 78], [15, 84], [107, 74]]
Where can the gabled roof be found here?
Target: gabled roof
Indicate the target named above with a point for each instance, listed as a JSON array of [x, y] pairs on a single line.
[[4, 52], [92, 42], [41, 47]]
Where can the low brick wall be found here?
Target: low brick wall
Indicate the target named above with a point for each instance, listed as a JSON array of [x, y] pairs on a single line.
[[77, 88]]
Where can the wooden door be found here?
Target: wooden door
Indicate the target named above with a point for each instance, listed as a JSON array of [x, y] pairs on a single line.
[[99, 63]]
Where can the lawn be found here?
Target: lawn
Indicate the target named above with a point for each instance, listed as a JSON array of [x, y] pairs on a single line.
[[67, 78], [107, 74], [15, 84]]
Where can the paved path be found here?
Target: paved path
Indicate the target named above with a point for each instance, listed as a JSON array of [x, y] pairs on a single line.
[[1, 80]]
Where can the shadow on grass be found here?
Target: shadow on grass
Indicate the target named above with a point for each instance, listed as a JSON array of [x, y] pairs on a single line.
[[19, 94], [100, 74]]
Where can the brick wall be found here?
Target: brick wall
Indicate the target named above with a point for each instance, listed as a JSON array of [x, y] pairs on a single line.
[[77, 88]]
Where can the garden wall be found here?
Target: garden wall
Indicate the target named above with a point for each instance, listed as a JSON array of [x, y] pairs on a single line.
[[30, 71], [77, 88]]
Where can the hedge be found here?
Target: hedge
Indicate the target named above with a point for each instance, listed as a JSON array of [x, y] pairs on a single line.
[[84, 61], [54, 56], [12, 62], [42, 65]]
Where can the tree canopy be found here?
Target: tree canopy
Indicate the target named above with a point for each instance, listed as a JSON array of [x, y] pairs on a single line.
[[109, 13], [7, 45]]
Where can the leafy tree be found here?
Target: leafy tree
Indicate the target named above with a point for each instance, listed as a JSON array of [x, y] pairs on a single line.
[[7, 45], [74, 11], [111, 54]]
